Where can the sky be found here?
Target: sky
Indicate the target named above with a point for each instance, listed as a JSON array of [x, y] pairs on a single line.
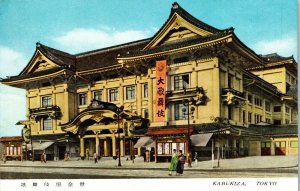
[[75, 26]]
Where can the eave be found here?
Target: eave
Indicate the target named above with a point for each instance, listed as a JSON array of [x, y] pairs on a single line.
[[224, 39]]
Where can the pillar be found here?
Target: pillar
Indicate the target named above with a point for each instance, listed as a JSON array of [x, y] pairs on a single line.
[[139, 98], [105, 148], [150, 95], [272, 147], [97, 144], [122, 146], [114, 145], [81, 147], [139, 151]]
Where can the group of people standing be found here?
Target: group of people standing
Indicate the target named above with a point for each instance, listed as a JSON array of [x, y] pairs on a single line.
[[177, 163]]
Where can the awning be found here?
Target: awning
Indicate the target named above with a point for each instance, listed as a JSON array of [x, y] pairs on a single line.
[[37, 146], [144, 142], [200, 140]]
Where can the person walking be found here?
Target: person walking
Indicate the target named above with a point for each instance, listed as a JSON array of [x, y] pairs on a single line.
[[180, 163], [95, 158], [174, 161], [189, 159], [4, 158], [43, 157]]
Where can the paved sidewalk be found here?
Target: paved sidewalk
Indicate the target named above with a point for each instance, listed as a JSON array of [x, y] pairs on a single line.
[[246, 163]]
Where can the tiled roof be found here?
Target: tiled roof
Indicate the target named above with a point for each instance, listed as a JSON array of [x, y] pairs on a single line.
[[274, 57], [275, 130], [57, 56], [107, 56], [32, 75], [7, 139], [176, 45]]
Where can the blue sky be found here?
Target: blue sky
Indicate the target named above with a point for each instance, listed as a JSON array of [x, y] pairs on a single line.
[[77, 25]]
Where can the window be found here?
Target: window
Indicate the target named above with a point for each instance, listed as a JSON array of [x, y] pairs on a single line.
[[287, 109], [46, 101], [277, 108], [179, 114], [265, 144], [130, 92], [146, 113], [230, 81], [249, 117], [277, 122], [145, 90], [230, 112], [47, 123], [279, 144], [268, 106], [294, 144], [244, 116], [287, 121], [181, 82], [181, 59], [113, 95], [82, 99], [257, 101], [98, 95], [250, 98]]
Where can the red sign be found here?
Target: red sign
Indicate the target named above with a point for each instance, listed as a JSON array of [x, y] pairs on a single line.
[[161, 71]]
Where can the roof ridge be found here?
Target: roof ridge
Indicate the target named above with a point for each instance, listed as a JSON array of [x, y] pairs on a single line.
[[66, 54], [182, 12], [109, 48]]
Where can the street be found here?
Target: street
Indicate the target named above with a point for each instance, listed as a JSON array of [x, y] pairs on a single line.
[[91, 173]]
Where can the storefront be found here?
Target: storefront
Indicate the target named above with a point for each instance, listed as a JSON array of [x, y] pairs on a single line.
[[12, 149]]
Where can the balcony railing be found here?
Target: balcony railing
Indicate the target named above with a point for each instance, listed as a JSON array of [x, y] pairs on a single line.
[[51, 111], [231, 96]]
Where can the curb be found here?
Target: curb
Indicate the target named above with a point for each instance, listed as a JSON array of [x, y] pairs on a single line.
[[290, 169]]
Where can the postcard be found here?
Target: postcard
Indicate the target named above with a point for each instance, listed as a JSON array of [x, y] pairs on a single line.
[[151, 95]]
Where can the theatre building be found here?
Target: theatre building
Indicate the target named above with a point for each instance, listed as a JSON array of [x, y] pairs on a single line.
[[190, 81]]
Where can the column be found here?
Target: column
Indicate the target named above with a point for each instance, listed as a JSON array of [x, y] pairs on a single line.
[[97, 144], [81, 147], [122, 146], [121, 93], [139, 97], [234, 146], [105, 148], [150, 95], [139, 151], [114, 145], [272, 147], [283, 113]]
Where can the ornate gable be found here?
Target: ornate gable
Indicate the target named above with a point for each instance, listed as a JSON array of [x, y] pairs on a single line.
[[180, 25], [39, 62]]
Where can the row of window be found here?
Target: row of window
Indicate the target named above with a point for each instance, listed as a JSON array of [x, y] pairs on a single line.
[[113, 94], [258, 118], [279, 144]]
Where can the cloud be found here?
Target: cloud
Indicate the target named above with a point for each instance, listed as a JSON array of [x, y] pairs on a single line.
[[85, 39], [13, 107], [11, 61], [285, 46]]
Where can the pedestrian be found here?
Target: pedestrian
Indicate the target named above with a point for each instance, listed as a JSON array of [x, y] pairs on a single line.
[[4, 158], [189, 158], [180, 163], [196, 158], [173, 164], [95, 158], [147, 156], [66, 157], [43, 157]]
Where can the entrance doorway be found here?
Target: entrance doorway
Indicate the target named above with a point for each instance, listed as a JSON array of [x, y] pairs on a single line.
[[61, 152]]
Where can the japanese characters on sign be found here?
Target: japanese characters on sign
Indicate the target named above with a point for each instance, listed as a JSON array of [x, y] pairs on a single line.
[[160, 104]]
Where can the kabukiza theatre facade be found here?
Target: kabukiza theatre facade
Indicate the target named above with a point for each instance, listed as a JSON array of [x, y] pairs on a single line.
[[191, 87]]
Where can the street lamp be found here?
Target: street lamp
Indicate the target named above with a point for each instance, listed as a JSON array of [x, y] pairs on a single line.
[[119, 110], [186, 112]]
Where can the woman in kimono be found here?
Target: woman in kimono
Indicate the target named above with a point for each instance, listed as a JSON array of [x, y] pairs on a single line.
[[174, 161], [180, 163]]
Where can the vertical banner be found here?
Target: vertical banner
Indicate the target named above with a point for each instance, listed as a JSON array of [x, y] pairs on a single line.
[[160, 105]]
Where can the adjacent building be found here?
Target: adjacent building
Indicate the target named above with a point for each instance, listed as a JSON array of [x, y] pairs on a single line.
[[191, 87]]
